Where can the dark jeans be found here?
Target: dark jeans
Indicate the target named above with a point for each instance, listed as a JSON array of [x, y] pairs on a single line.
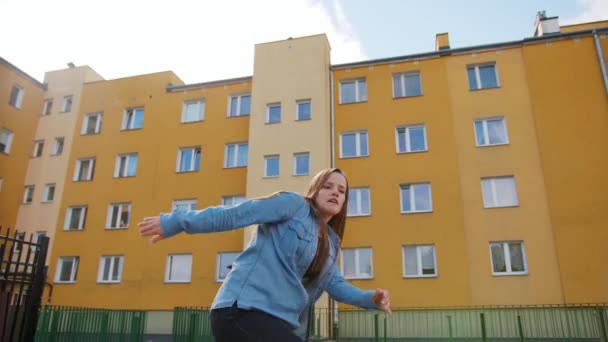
[[233, 324]]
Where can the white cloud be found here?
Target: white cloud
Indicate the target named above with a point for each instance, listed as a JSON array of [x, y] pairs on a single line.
[[199, 40], [591, 10]]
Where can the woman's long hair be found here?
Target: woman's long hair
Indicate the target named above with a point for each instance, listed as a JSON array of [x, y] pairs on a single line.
[[337, 222]]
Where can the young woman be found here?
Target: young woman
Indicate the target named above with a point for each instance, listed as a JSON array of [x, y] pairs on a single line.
[[273, 284]]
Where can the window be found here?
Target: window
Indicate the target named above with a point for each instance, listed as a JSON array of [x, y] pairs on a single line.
[[482, 76], [239, 105], [416, 198], [358, 202], [499, 192], [91, 124], [419, 261], [357, 263], [75, 218], [58, 146], [236, 155], [232, 201], [126, 165], [133, 119], [179, 268], [67, 268], [271, 166], [66, 105], [411, 139], [407, 84], [508, 258], [303, 110], [85, 168], [353, 91], [193, 111], [273, 113], [28, 194], [224, 265], [48, 106], [110, 269], [1, 180], [186, 204], [353, 144], [491, 132], [38, 235], [17, 245], [189, 159], [301, 164], [38, 147], [49, 192], [6, 140], [16, 98], [119, 215]]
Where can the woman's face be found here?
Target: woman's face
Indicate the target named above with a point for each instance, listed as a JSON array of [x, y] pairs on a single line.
[[330, 198]]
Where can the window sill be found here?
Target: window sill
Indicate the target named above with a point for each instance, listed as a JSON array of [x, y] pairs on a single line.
[[186, 171], [122, 177], [416, 212], [235, 167], [82, 180], [506, 274], [353, 157], [108, 282], [46, 202], [487, 88], [237, 116], [73, 230], [503, 206], [270, 177], [131, 129], [359, 215], [360, 278], [406, 96], [271, 123], [411, 152], [421, 276], [301, 174], [178, 282], [308, 119], [55, 154], [350, 103], [94, 133], [191, 122], [26, 203], [492, 145]]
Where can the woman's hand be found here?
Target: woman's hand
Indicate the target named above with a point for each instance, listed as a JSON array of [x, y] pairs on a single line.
[[150, 226], [382, 300]]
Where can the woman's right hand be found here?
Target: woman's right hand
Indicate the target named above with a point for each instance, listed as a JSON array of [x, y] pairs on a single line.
[[150, 226]]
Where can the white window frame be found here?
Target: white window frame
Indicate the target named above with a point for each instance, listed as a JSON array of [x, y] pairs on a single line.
[[239, 100], [486, 135], [413, 198], [358, 95], [355, 195], [402, 76], [28, 194], [408, 140], [298, 115], [78, 169], [113, 260], [9, 140], [476, 67], [358, 273], [295, 163], [269, 158], [125, 159], [1, 181], [58, 145], [191, 203], [200, 110], [19, 98], [36, 236], [192, 167], [268, 107], [85, 123], [169, 265], [18, 244], [81, 219], [218, 264], [47, 188], [233, 200], [66, 103], [73, 272], [494, 194], [358, 153], [38, 148], [48, 106], [507, 256], [128, 118], [419, 261], [114, 222], [229, 164]]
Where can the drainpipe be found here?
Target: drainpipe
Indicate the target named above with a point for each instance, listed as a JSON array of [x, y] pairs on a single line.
[[332, 118], [600, 57]]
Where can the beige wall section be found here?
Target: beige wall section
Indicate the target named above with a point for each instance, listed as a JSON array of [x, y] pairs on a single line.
[[49, 168], [284, 72]]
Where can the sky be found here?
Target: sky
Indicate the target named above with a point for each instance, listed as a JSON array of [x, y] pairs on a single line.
[[206, 40]]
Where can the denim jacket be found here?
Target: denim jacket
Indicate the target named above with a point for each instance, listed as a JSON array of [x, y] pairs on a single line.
[[267, 276]]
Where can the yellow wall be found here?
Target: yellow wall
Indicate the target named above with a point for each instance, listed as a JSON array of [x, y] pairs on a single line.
[[583, 26]]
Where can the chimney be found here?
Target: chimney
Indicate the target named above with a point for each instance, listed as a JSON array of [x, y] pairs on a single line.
[[71, 65], [545, 25], [442, 41]]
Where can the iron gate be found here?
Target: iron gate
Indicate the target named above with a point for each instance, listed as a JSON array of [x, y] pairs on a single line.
[[22, 278]]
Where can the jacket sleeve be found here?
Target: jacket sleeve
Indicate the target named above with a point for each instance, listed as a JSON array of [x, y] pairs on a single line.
[[340, 290], [276, 208]]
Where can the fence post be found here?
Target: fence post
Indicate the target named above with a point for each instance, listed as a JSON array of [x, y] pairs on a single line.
[[483, 327], [521, 330], [450, 329], [600, 313], [384, 328], [376, 335]]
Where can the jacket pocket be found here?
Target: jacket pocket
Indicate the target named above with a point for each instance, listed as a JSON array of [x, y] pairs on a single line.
[[296, 243]]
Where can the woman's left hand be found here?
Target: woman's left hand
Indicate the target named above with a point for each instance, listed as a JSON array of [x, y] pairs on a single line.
[[382, 300]]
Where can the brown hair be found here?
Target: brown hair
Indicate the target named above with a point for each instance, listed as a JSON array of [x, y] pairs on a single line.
[[337, 222]]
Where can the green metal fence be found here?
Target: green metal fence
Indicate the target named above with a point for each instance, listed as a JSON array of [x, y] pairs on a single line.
[[59, 324], [191, 324]]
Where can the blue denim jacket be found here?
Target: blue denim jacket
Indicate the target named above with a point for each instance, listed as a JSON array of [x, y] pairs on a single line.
[[267, 276]]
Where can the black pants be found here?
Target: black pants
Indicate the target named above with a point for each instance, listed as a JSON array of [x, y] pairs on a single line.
[[239, 325]]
